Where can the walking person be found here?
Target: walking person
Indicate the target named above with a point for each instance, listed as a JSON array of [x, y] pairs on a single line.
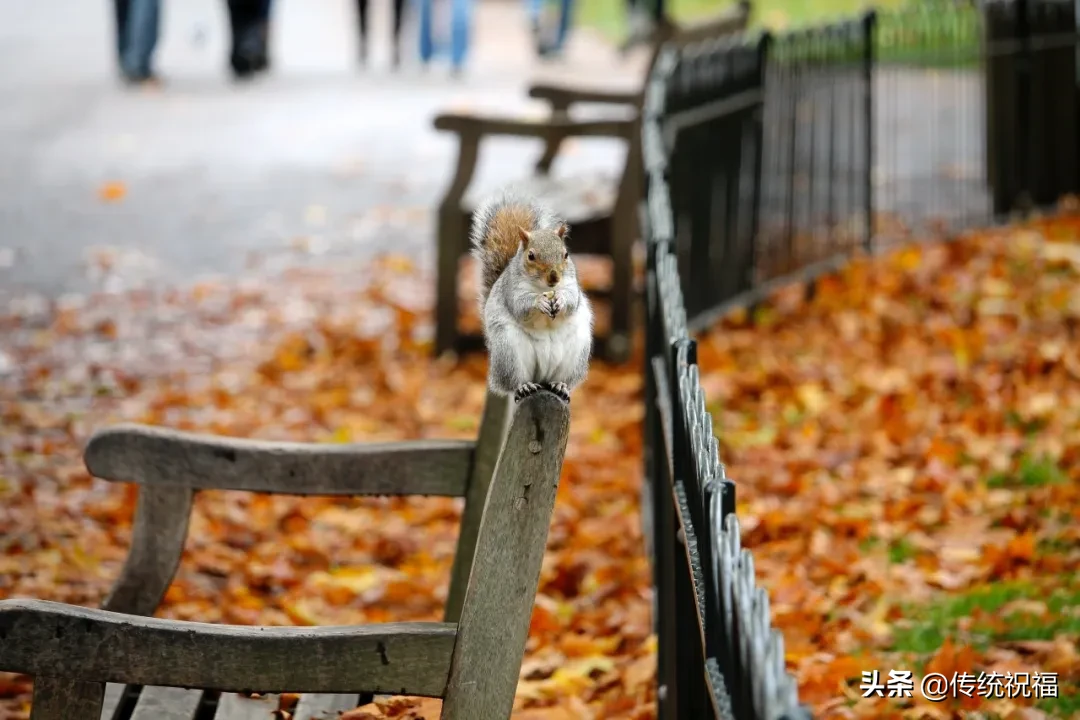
[[460, 22], [648, 22], [546, 45], [249, 24], [362, 19], [137, 27]]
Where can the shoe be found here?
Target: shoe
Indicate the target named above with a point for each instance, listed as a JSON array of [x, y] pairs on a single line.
[[249, 54], [149, 80]]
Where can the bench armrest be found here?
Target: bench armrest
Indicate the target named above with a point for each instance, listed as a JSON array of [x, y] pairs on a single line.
[[57, 640], [149, 455], [471, 129], [171, 465], [561, 97], [474, 127]]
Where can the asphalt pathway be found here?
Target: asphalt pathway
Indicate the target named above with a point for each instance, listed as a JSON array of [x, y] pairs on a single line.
[[318, 160]]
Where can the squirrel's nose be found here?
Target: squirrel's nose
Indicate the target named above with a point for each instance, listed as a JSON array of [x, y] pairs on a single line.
[[553, 279]]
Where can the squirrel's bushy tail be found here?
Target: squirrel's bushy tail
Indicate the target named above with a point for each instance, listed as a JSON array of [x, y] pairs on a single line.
[[496, 233]]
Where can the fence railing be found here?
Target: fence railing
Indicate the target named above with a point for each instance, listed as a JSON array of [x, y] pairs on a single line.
[[769, 159], [718, 657]]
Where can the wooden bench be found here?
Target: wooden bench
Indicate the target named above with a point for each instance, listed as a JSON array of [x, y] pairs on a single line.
[[601, 210], [117, 663]]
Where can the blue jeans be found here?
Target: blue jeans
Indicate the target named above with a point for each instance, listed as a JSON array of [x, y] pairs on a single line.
[[534, 9], [138, 22], [460, 20]]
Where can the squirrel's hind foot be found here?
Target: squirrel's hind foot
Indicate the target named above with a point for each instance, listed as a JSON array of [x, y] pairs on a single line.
[[525, 390], [560, 389]]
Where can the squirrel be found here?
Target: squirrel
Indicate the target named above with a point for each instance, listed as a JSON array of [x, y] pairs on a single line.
[[537, 322]]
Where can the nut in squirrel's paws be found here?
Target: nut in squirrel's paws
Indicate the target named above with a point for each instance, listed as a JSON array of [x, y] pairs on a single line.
[[548, 304], [524, 391]]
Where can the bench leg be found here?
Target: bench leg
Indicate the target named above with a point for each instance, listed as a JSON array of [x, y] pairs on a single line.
[[451, 243], [624, 230], [61, 699]]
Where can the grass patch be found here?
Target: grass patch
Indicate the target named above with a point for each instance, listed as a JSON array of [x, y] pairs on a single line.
[[1028, 427], [1031, 472], [609, 16], [930, 624], [926, 33], [1065, 706], [901, 551]]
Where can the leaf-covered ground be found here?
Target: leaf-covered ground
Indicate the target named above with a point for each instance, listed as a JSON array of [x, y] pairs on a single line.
[[907, 452], [315, 356], [906, 449]]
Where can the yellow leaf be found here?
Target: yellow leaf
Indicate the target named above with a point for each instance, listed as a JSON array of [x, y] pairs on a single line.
[[112, 191], [342, 435]]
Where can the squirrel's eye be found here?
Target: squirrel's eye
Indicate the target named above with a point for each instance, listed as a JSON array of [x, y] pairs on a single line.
[[566, 254], [532, 256]]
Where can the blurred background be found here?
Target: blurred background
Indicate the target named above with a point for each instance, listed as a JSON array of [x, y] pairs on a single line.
[[319, 156]]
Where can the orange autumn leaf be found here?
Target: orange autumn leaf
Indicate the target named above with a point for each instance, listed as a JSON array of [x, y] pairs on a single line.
[[112, 191]]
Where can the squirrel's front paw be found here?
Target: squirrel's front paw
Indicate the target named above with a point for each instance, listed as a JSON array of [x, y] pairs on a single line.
[[546, 304], [524, 391], [560, 389], [556, 305]]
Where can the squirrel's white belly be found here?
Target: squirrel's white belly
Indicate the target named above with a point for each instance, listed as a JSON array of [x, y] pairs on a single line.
[[551, 352]]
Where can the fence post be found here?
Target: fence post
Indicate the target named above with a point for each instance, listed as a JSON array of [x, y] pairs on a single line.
[[869, 38], [757, 201], [663, 524], [1023, 199]]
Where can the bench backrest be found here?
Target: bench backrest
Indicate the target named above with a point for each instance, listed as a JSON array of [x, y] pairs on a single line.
[[509, 478]]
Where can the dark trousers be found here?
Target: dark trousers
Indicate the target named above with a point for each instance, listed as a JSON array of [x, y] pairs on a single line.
[[655, 6], [249, 23], [362, 20]]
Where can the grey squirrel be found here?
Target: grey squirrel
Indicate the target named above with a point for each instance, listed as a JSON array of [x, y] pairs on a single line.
[[537, 322]]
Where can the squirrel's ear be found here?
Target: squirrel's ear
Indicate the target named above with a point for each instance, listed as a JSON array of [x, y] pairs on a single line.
[[562, 230], [524, 235]]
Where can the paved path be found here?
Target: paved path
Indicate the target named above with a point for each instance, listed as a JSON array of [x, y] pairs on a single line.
[[319, 155]]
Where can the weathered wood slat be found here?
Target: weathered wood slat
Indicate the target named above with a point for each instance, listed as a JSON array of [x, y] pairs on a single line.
[[41, 637], [324, 707], [493, 425], [157, 542], [510, 547], [114, 692], [563, 96], [237, 707], [167, 703], [62, 699], [152, 455], [478, 126]]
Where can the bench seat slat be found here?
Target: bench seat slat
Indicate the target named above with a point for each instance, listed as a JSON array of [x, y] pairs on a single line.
[[238, 707], [145, 455], [324, 707], [114, 692], [167, 703], [42, 637]]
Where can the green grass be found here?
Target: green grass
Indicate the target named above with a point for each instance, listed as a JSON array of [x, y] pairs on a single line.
[[609, 16], [1066, 706], [928, 625], [926, 33], [1031, 472], [901, 551]]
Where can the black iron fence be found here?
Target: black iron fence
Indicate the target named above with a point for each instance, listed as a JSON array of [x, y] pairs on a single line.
[[718, 656], [774, 158]]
